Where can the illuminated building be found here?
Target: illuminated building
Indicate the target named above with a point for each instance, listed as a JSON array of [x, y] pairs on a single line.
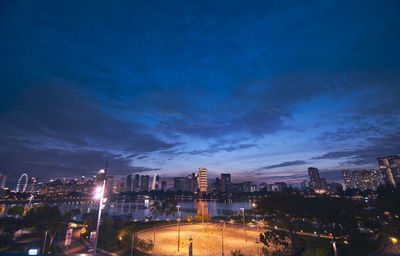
[[156, 180], [3, 179], [100, 177], [390, 169], [348, 179], [305, 185], [202, 180], [367, 180], [314, 178]]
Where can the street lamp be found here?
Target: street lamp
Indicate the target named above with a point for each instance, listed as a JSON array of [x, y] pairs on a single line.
[[99, 195], [222, 238], [179, 228], [133, 240], [244, 228]]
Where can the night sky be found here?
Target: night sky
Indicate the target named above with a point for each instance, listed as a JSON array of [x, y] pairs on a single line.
[[259, 89]]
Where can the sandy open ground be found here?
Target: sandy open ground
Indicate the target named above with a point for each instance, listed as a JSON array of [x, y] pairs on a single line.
[[206, 240]]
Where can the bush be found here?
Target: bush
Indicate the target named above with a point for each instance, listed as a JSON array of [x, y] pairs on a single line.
[[237, 253]]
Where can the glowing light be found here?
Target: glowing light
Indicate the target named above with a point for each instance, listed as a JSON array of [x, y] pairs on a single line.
[[393, 239]]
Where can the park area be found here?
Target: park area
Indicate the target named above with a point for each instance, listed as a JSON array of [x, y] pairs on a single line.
[[206, 239]]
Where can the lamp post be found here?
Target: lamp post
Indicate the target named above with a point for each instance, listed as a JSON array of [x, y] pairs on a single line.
[[179, 228], [44, 243], [333, 241], [244, 228], [222, 240], [133, 241], [100, 195]]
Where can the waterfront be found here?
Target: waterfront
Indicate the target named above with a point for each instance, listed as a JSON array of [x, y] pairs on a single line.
[[140, 209]]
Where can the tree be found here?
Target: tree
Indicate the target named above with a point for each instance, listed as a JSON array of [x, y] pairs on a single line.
[[16, 211], [47, 218], [237, 253], [337, 215], [284, 208], [155, 210], [388, 200], [169, 207], [275, 239]]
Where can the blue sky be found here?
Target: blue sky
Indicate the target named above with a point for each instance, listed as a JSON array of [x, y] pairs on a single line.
[[261, 89]]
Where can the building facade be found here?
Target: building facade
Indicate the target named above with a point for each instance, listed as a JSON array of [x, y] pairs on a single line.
[[390, 170], [144, 183], [348, 179], [202, 183]]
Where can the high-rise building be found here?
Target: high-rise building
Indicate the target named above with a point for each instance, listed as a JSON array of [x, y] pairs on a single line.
[[390, 169], [334, 187], [367, 179], [156, 180], [144, 183], [375, 179], [323, 184], [3, 179], [217, 185], [314, 178], [100, 177], [226, 182], [348, 180], [164, 185], [202, 180], [128, 183], [305, 185], [136, 186], [179, 184]]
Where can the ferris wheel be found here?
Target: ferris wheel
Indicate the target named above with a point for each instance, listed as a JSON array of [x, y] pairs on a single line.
[[19, 183]]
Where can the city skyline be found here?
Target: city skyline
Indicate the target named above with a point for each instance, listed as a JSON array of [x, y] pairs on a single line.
[[256, 90]]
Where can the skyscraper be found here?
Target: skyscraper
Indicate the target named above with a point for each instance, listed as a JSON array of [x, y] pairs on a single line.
[[156, 180], [348, 180], [375, 179], [202, 180], [136, 187], [3, 179], [179, 184], [390, 169], [367, 179], [314, 178], [164, 185], [128, 183], [144, 183], [226, 182], [100, 177]]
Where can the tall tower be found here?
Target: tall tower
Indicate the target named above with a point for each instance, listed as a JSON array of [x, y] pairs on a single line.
[[348, 180], [156, 180], [390, 169], [136, 186], [202, 180], [314, 178], [144, 183], [226, 182], [128, 183], [3, 179]]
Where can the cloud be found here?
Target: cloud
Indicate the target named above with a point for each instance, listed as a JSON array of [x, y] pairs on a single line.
[[366, 154], [56, 130], [284, 164]]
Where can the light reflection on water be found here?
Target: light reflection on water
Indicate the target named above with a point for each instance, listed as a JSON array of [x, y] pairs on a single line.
[[141, 209]]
